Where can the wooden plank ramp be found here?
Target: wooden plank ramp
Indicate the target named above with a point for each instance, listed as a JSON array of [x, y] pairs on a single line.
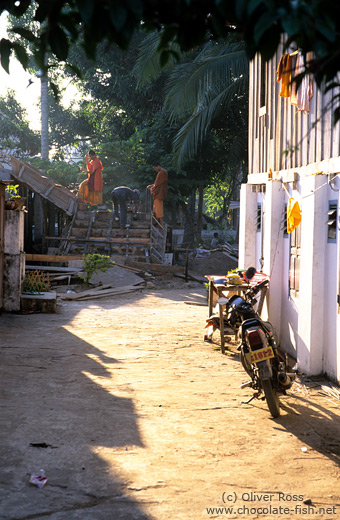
[[42, 185]]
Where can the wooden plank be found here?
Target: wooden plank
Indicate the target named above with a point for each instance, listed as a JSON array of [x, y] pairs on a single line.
[[51, 258], [156, 267], [251, 116], [318, 129], [34, 179], [49, 189], [92, 219], [73, 270], [108, 234], [129, 268], [327, 127], [100, 292], [89, 292], [94, 240]]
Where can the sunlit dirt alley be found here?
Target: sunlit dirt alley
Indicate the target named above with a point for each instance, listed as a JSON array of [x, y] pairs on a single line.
[[132, 416]]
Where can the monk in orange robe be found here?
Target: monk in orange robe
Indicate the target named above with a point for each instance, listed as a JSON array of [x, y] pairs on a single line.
[[91, 190], [158, 191]]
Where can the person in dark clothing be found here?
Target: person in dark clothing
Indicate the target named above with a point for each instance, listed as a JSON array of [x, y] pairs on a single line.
[[120, 197]]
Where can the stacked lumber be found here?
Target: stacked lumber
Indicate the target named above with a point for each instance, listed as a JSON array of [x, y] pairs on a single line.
[[100, 292]]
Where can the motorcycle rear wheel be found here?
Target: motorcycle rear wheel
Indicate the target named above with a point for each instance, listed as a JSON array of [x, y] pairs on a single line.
[[271, 398], [245, 365]]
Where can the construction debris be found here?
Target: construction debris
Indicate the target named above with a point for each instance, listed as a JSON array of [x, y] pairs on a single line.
[[121, 279], [117, 277], [217, 262], [321, 385], [159, 268], [100, 292], [330, 390]]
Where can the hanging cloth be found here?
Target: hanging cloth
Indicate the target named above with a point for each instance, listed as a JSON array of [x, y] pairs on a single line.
[[302, 96], [293, 214], [284, 73]]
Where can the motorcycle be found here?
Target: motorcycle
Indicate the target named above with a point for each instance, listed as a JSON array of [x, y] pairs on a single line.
[[261, 357]]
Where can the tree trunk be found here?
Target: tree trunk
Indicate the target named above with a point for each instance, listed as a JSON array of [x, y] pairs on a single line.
[[189, 223], [44, 117], [200, 213], [39, 223]]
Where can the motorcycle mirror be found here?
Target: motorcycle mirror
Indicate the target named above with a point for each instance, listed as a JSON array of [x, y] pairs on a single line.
[[222, 300], [250, 273]]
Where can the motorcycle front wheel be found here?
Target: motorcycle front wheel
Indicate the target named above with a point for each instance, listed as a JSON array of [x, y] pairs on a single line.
[[271, 398]]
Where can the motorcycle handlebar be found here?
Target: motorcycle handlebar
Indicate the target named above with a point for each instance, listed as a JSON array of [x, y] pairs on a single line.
[[255, 290], [261, 284]]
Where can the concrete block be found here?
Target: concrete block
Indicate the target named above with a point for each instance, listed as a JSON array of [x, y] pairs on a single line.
[[43, 302]]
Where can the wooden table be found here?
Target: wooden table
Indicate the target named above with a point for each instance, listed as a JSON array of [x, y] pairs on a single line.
[[218, 288]]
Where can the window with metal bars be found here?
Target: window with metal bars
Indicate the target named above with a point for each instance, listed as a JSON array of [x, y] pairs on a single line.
[[259, 218], [332, 214], [284, 226], [294, 263]]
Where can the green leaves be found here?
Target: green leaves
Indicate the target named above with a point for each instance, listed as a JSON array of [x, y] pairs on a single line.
[[6, 48], [25, 33], [203, 88], [94, 263], [5, 51], [21, 55], [59, 43], [86, 9], [118, 15]]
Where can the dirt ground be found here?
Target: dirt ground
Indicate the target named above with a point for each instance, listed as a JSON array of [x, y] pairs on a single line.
[[133, 416]]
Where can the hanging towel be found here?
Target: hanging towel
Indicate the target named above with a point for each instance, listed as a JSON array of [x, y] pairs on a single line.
[[293, 215], [284, 73]]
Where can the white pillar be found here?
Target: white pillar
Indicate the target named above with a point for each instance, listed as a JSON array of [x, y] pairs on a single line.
[[311, 293], [14, 269], [272, 249], [247, 233]]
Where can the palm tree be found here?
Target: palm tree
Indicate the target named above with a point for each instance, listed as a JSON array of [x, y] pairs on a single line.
[[44, 116], [206, 96], [206, 90]]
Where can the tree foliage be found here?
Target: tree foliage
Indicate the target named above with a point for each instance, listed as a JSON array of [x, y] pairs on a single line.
[[208, 92], [313, 26], [113, 102], [15, 133], [206, 98]]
